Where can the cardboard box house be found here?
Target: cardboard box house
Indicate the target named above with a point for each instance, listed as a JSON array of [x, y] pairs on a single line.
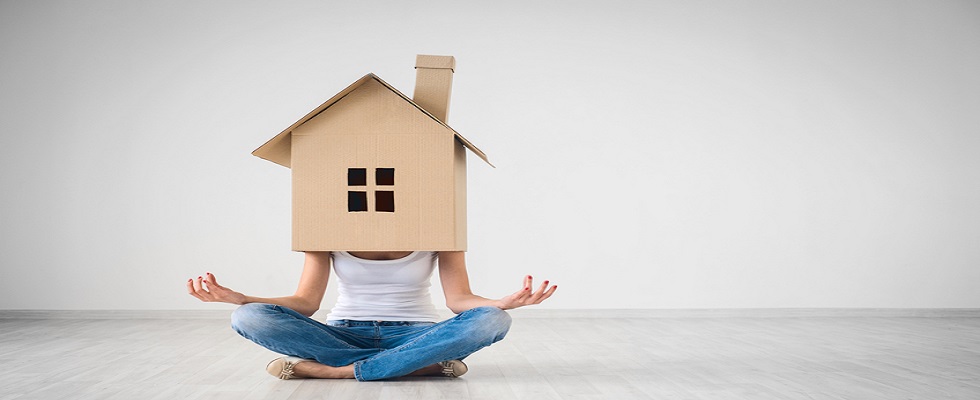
[[374, 170]]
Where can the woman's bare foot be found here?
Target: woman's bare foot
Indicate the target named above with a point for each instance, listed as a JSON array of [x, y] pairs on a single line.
[[313, 369]]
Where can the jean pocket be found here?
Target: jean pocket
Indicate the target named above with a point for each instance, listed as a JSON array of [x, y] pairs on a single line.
[[418, 323], [402, 330]]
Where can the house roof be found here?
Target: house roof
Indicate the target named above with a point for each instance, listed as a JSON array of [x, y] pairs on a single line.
[[277, 149]]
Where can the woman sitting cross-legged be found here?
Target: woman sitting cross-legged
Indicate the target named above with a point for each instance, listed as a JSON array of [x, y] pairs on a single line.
[[384, 324]]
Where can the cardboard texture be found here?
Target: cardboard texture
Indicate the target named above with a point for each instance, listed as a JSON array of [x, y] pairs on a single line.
[[373, 170]]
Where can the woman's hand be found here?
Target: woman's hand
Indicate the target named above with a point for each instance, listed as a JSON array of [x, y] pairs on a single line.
[[207, 289], [526, 296]]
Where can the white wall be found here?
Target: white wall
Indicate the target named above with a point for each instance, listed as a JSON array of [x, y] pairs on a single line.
[[650, 154]]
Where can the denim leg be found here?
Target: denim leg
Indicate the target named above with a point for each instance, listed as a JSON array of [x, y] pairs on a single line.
[[288, 332], [452, 339]]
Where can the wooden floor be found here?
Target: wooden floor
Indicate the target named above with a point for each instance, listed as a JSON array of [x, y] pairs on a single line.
[[542, 358]]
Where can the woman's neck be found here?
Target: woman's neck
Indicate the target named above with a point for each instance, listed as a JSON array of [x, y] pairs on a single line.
[[380, 255]]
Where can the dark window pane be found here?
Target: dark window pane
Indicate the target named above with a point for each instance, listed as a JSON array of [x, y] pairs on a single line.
[[385, 176], [357, 201], [384, 201], [356, 176]]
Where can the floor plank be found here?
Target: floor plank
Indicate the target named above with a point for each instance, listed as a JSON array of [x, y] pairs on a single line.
[[622, 357]]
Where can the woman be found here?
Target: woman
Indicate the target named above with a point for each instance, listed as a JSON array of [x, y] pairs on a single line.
[[383, 325]]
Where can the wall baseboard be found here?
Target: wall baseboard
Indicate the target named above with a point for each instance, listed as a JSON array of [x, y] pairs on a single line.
[[542, 313]]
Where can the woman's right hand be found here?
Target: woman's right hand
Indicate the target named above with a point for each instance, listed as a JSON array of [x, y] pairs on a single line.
[[207, 289]]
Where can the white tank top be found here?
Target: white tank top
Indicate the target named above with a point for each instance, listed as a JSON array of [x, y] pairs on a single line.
[[384, 290]]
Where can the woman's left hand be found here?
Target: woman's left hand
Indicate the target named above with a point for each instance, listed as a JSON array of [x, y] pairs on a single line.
[[526, 296]]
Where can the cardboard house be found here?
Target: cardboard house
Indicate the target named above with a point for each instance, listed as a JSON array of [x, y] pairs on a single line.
[[375, 170]]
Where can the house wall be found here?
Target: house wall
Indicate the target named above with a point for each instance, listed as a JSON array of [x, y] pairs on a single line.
[[373, 128], [459, 197], [650, 154]]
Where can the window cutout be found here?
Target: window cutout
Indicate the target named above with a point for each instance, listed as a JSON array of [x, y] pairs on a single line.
[[357, 201], [357, 176], [384, 176], [384, 201]]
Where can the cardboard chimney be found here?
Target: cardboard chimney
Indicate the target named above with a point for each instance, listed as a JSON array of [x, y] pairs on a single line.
[[374, 170]]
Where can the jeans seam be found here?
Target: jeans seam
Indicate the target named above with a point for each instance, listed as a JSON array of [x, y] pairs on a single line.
[[357, 370]]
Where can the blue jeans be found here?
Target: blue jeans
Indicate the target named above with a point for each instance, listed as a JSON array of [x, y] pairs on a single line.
[[378, 349]]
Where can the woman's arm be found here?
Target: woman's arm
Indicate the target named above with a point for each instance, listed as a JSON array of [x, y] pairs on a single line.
[[306, 300], [459, 296]]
